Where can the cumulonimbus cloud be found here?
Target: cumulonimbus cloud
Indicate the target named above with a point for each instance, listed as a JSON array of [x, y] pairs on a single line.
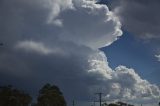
[[122, 82], [58, 42]]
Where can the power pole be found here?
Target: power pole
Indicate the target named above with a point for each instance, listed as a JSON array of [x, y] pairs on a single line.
[[100, 98], [73, 103]]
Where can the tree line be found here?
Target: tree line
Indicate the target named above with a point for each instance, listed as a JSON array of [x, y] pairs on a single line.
[[49, 95]]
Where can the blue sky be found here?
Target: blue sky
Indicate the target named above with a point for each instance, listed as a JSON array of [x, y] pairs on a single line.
[[134, 53]]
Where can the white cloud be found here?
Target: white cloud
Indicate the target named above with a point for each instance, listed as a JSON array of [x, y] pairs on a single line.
[[57, 6], [38, 47], [30, 46], [81, 22], [98, 64], [90, 24], [123, 83], [158, 57]]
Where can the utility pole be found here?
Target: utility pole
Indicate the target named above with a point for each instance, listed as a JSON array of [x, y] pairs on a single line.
[[100, 98], [73, 103]]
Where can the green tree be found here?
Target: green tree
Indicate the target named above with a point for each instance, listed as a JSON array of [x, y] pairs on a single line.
[[50, 95], [13, 97]]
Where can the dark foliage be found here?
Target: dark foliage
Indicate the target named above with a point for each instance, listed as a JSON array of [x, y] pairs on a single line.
[[50, 95], [10, 96], [112, 104]]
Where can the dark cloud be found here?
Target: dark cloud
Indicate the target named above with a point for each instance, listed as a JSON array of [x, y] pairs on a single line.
[[48, 41], [140, 17], [57, 42]]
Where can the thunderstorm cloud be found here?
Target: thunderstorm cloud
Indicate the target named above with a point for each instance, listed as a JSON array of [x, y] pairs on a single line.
[[58, 41]]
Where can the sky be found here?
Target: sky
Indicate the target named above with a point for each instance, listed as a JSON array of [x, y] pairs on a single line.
[[143, 60], [83, 47]]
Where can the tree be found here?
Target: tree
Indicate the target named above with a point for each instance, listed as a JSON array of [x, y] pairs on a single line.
[[13, 97], [122, 103], [33, 104], [104, 104], [113, 104], [50, 95]]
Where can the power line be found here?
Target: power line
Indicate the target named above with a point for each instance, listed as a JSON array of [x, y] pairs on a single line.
[[100, 98]]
